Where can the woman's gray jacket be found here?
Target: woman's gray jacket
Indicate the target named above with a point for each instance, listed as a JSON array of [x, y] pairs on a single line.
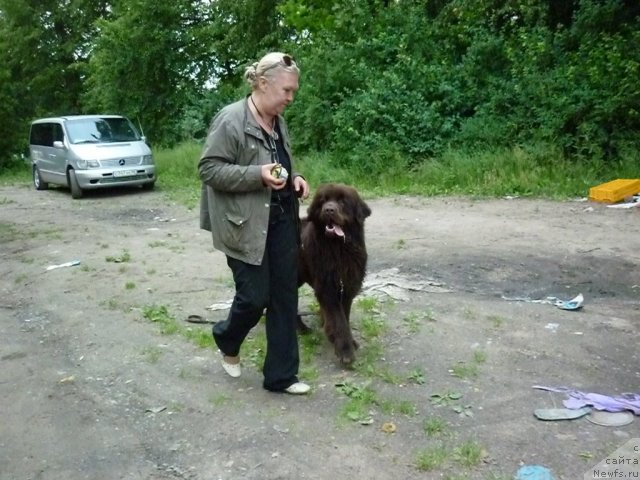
[[234, 204]]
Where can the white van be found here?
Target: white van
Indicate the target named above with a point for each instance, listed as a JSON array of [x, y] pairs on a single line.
[[84, 152]]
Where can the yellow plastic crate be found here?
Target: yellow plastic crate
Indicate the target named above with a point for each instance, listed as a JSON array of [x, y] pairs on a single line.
[[614, 191]]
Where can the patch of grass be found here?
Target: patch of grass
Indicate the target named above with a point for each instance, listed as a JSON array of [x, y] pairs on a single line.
[[152, 354], [111, 304], [179, 176], [470, 454], [21, 278], [361, 399], [479, 356], [367, 357], [416, 376], [6, 201], [309, 344], [160, 315], [309, 373], [388, 376], [254, 348], [198, 336], [402, 407], [431, 458], [129, 285], [124, 257], [586, 456], [496, 320], [494, 172], [157, 243], [17, 172], [434, 426], [372, 327], [368, 305], [400, 244], [464, 370]]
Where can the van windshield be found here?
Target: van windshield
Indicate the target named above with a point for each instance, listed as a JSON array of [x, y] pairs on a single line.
[[101, 130]]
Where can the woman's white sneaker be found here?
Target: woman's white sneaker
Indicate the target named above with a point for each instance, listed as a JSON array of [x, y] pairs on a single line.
[[298, 388], [232, 369]]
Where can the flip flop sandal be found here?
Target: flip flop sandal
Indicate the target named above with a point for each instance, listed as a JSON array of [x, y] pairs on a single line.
[[198, 319], [610, 419], [561, 413]]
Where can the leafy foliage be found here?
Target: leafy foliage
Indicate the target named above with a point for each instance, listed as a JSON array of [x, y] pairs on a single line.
[[383, 83]]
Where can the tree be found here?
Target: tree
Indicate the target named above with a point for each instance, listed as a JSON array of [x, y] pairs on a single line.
[[44, 45]]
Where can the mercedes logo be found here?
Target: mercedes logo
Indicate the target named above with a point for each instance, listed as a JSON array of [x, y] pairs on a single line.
[[121, 162]]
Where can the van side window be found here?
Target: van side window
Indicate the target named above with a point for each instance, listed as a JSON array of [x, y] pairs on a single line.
[[42, 134], [45, 134], [58, 134]]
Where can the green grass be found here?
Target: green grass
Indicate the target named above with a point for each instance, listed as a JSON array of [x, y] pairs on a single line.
[[430, 458], [20, 173], [124, 257], [178, 173], [534, 172], [464, 370], [434, 426], [468, 454], [169, 325]]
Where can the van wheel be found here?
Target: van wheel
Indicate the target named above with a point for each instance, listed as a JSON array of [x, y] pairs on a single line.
[[148, 186], [76, 191], [37, 180]]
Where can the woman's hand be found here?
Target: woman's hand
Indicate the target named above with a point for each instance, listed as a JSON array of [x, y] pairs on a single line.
[[269, 180], [301, 187]]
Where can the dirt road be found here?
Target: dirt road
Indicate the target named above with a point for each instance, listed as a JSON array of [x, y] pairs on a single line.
[[451, 345]]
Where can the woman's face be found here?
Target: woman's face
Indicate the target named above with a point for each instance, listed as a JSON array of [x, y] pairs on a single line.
[[279, 91]]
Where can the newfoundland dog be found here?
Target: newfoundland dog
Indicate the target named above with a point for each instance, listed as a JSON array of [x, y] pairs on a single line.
[[333, 260]]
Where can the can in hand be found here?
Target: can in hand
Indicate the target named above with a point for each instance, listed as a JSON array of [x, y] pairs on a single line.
[[278, 171]]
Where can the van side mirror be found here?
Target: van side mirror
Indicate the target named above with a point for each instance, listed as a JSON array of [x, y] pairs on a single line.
[[58, 144]]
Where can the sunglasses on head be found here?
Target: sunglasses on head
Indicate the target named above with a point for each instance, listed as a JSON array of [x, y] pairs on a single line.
[[287, 61]]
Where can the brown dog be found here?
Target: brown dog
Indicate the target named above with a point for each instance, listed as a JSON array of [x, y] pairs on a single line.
[[333, 260]]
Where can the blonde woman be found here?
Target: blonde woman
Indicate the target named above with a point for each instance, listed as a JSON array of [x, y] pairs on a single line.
[[250, 193]]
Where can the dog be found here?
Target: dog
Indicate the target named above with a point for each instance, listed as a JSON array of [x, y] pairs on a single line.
[[333, 260]]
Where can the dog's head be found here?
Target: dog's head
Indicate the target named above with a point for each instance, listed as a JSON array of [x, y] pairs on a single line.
[[338, 209]]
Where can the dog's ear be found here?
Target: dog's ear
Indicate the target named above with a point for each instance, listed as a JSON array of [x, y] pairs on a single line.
[[363, 210]]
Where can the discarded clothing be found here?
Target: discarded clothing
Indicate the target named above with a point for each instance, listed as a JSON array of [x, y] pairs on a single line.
[[577, 399]]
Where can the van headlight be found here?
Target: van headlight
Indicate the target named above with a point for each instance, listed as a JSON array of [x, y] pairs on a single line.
[[84, 164], [147, 160]]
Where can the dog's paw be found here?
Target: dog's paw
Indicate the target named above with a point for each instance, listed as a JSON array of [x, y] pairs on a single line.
[[345, 351]]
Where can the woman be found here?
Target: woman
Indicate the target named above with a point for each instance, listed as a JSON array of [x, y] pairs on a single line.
[[252, 213]]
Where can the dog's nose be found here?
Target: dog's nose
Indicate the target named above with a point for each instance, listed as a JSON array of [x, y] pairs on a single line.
[[329, 208]]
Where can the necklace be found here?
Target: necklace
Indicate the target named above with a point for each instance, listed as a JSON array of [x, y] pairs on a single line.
[[273, 134]]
